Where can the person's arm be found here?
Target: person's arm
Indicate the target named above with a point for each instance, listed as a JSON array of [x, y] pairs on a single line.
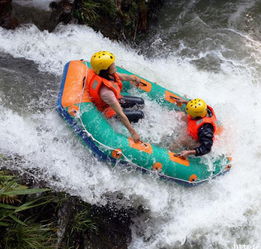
[[127, 77], [118, 109], [186, 153], [205, 135], [181, 101], [109, 98]]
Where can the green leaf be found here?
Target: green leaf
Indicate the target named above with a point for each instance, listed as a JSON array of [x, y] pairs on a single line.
[[5, 177], [7, 206], [28, 205], [4, 224], [17, 220], [5, 213], [27, 191]]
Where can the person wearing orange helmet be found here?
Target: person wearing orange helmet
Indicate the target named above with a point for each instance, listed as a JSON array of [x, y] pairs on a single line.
[[104, 86], [202, 126]]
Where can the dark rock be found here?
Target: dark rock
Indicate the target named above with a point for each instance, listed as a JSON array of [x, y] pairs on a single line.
[[113, 227], [27, 14], [125, 5], [18, 77], [143, 16], [62, 12], [7, 20], [124, 20]]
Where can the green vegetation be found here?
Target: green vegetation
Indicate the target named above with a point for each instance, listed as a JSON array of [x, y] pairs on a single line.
[[121, 20], [29, 236], [88, 13], [81, 222], [10, 192], [18, 229], [30, 218], [37, 218]]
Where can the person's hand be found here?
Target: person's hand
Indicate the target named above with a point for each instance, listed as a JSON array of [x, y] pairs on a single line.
[[185, 153], [135, 136], [135, 80], [181, 101]]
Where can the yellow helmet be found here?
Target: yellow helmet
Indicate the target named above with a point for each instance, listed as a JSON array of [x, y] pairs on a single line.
[[101, 61], [196, 108]]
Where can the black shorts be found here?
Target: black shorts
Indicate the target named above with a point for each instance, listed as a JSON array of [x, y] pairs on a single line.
[[130, 105]]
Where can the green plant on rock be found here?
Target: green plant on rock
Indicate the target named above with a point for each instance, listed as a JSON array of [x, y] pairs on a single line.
[[29, 236], [108, 8], [92, 12], [82, 222], [87, 13], [15, 231], [10, 191]]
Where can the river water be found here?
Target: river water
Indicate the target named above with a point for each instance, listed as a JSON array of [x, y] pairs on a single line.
[[206, 49]]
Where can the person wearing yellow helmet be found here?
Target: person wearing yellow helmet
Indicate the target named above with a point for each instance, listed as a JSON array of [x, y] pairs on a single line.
[[104, 86], [102, 60], [196, 108], [202, 126]]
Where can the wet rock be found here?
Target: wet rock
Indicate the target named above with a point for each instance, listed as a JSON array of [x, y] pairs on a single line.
[[64, 215], [113, 228], [62, 12], [18, 77], [27, 14], [7, 20], [143, 16], [123, 20]]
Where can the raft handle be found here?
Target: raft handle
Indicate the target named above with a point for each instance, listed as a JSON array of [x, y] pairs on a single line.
[[174, 97], [83, 82], [142, 83], [179, 156]]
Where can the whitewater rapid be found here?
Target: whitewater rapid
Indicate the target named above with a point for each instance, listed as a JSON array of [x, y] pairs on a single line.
[[219, 214]]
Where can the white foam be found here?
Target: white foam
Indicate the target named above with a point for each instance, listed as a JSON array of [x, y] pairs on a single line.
[[40, 4]]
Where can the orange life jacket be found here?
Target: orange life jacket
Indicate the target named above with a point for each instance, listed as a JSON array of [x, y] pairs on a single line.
[[94, 84], [195, 124]]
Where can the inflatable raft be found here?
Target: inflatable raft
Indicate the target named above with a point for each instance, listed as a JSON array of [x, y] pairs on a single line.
[[98, 135]]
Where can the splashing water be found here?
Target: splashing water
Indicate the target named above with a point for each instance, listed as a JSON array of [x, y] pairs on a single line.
[[219, 214]]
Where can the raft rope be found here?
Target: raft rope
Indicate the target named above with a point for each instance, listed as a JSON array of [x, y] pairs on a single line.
[[112, 149]]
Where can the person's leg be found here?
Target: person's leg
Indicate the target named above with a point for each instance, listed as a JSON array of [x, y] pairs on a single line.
[[134, 115], [131, 101]]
